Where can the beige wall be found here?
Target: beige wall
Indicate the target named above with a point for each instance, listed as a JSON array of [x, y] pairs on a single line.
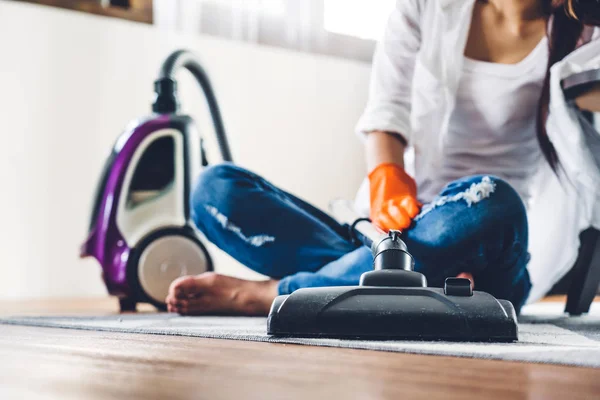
[[70, 82]]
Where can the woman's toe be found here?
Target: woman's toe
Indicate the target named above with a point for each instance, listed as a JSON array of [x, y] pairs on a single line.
[[183, 287]]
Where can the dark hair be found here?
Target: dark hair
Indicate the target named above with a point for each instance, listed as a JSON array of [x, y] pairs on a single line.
[[569, 18]]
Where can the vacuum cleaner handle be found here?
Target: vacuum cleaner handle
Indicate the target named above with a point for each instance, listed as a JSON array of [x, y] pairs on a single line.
[[166, 101], [389, 251]]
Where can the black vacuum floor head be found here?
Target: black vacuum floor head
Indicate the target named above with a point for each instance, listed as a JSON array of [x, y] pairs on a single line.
[[414, 313]]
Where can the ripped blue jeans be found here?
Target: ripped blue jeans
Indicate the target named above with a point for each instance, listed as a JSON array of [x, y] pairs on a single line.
[[477, 224]]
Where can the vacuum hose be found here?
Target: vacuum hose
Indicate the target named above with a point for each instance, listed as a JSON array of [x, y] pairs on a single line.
[[166, 93], [362, 228]]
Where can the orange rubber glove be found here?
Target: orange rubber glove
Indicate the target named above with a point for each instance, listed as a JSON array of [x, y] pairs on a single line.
[[393, 197]]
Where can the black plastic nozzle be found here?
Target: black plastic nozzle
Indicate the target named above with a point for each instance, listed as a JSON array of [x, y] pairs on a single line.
[[391, 253], [165, 101], [392, 264]]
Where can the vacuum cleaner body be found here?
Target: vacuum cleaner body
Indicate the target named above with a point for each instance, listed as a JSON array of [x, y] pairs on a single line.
[[141, 231]]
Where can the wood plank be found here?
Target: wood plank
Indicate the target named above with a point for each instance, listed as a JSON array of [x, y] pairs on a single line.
[[72, 364]]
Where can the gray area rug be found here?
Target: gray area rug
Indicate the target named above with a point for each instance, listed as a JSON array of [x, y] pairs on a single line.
[[546, 335]]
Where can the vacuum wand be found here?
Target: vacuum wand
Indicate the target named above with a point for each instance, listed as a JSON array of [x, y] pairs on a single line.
[[389, 251]]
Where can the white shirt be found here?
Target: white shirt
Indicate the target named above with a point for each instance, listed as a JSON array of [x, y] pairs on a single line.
[[419, 87], [492, 128]]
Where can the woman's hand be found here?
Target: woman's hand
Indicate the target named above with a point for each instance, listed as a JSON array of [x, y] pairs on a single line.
[[393, 192], [394, 201]]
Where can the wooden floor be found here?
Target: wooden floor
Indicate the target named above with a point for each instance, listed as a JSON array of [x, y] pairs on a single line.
[[70, 364]]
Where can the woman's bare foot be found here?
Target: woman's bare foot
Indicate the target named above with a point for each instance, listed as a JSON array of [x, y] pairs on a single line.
[[211, 293]]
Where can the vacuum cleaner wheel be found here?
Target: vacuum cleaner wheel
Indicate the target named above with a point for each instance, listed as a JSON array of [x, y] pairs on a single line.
[[164, 258]]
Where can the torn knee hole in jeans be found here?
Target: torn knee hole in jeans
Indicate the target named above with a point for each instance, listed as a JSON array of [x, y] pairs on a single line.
[[474, 194], [256, 240]]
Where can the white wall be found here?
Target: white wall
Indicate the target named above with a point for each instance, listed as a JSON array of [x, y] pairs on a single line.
[[70, 82]]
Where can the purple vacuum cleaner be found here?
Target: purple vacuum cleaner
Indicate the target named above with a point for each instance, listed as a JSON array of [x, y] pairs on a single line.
[[140, 230]]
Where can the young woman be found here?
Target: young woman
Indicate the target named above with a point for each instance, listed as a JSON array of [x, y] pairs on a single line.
[[465, 83]]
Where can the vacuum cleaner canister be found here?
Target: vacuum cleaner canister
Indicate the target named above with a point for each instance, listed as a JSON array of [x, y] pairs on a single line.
[[140, 230]]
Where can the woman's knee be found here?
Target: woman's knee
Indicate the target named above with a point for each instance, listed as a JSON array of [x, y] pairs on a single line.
[[220, 186], [507, 212], [478, 187], [506, 194], [494, 194], [468, 209]]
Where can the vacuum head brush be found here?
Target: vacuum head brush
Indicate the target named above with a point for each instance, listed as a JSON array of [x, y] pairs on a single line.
[[393, 302], [393, 313]]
